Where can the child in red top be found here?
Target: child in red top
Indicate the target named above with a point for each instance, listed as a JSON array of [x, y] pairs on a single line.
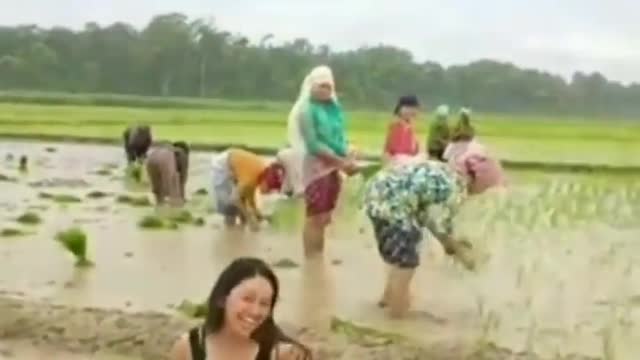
[[401, 144]]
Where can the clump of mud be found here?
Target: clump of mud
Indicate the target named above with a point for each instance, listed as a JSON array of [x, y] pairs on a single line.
[[199, 222], [60, 198], [29, 218], [137, 201], [75, 241], [11, 232], [50, 149]]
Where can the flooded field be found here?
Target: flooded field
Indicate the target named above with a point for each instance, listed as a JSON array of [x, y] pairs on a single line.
[[563, 276]]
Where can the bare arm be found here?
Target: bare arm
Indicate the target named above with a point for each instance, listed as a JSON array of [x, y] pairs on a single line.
[[181, 349]]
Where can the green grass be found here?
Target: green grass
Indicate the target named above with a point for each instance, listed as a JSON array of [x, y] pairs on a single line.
[[513, 138]]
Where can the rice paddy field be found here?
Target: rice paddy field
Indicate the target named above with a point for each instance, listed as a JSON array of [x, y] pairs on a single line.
[[521, 139], [560, 251]]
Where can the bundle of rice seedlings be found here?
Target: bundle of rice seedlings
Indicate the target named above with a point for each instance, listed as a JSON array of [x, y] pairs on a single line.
[[137, 201], [193, 310], [75, 241], [29, 218], [97, 194], [11, 232], [151, 222], [182, 217]]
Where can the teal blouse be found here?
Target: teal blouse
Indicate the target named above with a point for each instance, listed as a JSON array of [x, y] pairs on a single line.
[[323, 127]]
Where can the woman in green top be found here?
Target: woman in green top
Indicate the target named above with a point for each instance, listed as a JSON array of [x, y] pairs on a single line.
[[439, 134], [317, 130]]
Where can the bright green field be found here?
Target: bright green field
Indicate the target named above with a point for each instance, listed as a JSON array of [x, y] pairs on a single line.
[[513, 138]]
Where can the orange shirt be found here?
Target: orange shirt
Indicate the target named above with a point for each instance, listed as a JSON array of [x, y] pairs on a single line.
[[246, 167]]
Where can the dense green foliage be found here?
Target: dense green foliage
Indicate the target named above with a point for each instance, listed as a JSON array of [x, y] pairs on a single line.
[[177, 56]]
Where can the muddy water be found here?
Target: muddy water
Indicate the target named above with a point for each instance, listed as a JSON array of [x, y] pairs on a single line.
[[548, 290]]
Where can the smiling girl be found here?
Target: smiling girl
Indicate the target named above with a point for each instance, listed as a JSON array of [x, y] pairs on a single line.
[[239, 323]]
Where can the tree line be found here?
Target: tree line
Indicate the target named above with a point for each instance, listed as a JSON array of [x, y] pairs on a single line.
[[177, 56]]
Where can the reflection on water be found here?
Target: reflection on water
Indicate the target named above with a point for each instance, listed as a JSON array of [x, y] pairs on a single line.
[[558, 264]]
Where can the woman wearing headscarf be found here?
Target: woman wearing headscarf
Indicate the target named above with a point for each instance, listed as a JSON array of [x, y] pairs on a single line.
[[471, 159], [316, 131], [400, 202], [401, 144], [439, 134]]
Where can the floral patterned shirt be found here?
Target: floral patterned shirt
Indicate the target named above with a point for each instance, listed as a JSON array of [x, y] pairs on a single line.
[[426, 194]]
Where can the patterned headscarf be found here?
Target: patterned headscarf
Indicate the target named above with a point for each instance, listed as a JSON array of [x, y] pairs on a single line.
[[463, 130], [273, 177]]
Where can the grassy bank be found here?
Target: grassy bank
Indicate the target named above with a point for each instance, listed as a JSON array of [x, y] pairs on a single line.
[[524, 139]]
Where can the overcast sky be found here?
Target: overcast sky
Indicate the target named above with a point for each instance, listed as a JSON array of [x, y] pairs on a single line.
[[559, 36]]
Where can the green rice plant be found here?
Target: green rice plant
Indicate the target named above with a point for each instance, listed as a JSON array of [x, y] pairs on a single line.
[[60, 198], [136, 201], [29, 218], [151, 222], [74, 240], [103, 172], [134, 171], [192, 309], [97, 194], [201, 192], [288, 214], [182, 217], [11, 232]]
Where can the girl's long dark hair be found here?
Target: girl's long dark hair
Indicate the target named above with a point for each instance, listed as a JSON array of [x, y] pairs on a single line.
[[268, 334]]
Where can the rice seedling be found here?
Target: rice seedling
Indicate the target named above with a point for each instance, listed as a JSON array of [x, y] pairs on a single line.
[[97, 194], [11, 232], [23, 164], [60, 198], [192, 309], [134, 171], [50, 149], [136, 201], [103, 172], [201, 192], [199, 221], [7, 178], [151, 222], [74, 240], [182, 217], [29, 218]]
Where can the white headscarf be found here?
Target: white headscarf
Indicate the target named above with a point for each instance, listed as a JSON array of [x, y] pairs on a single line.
[[319, 75]]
